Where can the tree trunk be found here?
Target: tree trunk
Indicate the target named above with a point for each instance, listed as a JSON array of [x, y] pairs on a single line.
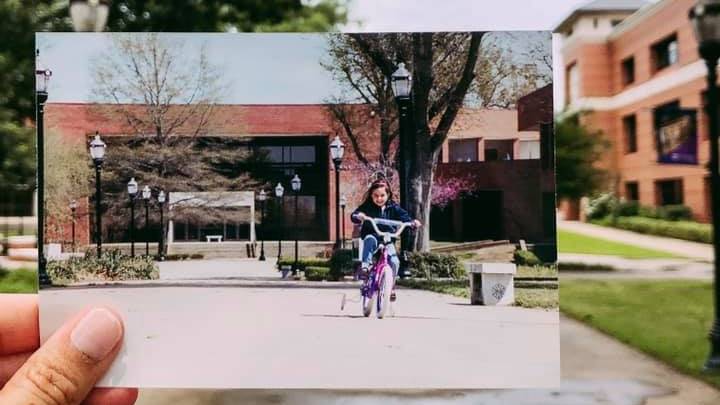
[[420, 187]]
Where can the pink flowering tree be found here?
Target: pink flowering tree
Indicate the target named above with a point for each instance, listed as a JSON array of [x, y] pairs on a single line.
[[446, 190]]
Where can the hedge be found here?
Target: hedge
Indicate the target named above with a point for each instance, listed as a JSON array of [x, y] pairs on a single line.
[[431, 265], [686, 230], [317, 273], [526, 257], [112, 265]]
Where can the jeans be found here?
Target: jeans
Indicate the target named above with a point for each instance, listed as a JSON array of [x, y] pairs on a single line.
[[370, 244]]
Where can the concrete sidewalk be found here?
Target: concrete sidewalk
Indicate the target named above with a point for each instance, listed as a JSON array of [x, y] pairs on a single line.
[[694, 250], [596, 370], [637, 268]]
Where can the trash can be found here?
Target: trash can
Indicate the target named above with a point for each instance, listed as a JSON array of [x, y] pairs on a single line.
[[491, 283]]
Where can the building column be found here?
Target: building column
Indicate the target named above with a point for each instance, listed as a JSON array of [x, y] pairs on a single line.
[[252, 221]]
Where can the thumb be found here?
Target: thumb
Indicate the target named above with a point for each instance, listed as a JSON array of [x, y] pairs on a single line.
[[67, 366]]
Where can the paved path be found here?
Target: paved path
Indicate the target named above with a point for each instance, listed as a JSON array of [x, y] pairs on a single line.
[[219, 269], [240, 336], [596, 370], [638, 268], [693, 250]]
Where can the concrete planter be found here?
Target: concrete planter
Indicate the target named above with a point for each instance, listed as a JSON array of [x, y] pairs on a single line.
[[492, 283]]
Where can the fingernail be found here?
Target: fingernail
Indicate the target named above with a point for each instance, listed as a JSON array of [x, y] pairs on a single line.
[[97, 333]]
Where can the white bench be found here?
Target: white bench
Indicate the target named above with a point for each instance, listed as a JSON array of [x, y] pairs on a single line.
[[210, 238], [491, 283]]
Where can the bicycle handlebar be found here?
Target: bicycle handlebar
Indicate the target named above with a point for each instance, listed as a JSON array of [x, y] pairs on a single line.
[[401, 226]]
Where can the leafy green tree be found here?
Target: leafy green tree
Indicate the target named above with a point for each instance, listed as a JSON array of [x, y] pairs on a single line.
[[578, 151]]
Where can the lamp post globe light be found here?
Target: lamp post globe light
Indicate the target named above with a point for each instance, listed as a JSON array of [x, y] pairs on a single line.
[[146, 197], [401, 82], [161, 245], [73, 212], [262, 197], [89, 15], [296, 184], [337, 150], [279, 191], [42, 79], [97, 153], [705, 17], [343, 203], [132, 189]]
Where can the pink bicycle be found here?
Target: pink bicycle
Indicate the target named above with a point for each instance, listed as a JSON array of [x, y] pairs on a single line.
[[379, 283]]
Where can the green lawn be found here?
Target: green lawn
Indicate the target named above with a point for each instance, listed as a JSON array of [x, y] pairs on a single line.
[[669, 320], [18, 281], [570, 242]]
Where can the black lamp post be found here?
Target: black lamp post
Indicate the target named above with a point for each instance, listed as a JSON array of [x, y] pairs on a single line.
[[161, 244], [343, 203], [262, 197], [296, 185], [401, 82], [89, 15], [705, 17], [337, 150], [279, 191], [97, 152], [42, 78], [132, 188], [73, 211], [146, 196]]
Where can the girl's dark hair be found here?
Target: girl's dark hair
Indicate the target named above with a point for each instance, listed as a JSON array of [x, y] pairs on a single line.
[[376, 185]]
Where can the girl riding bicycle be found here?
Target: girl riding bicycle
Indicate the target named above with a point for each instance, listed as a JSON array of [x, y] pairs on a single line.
[[378, 203]]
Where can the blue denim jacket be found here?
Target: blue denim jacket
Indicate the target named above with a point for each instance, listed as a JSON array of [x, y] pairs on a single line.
[[391, 210]]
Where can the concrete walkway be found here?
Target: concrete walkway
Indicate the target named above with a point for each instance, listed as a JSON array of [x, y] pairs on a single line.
[[694, 250], [637, 268], [596, 370]]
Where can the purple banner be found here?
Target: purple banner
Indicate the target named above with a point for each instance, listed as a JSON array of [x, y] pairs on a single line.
[[676, 136]]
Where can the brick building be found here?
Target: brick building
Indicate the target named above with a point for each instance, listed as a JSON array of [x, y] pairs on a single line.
[[486, 144], [633, 68]]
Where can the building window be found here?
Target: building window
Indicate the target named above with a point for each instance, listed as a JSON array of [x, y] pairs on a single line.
[[573, 83], [669, 192], [595, 22], [529, 150], [630, 132], [499, 149], [491, 155], [289, 154], [632, 191], [463, 150], [628, 70], [665, 53]]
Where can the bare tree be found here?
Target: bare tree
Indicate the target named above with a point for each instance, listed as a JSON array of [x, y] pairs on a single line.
[[167, 97]]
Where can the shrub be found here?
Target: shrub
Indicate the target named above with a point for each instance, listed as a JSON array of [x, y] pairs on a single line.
[[675, 212], [432, 265], [601, 206], [686, 230], [197, 256], [110, 266], [304, 262], [341, 263], [313, 273], [526, 258], [628, 209]]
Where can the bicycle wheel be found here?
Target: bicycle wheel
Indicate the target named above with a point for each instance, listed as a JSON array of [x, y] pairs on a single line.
[[384, 291], [368, 298]]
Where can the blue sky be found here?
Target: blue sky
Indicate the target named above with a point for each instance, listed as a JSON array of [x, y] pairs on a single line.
[[283, 68]]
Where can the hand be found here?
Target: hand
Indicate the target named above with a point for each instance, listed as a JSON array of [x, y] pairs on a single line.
[[417, 224], [64, 370]]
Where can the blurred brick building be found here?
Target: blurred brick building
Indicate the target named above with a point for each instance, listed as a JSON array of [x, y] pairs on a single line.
[[633, 68]]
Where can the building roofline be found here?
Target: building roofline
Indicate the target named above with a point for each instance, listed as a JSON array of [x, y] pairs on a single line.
[[636, 18]]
